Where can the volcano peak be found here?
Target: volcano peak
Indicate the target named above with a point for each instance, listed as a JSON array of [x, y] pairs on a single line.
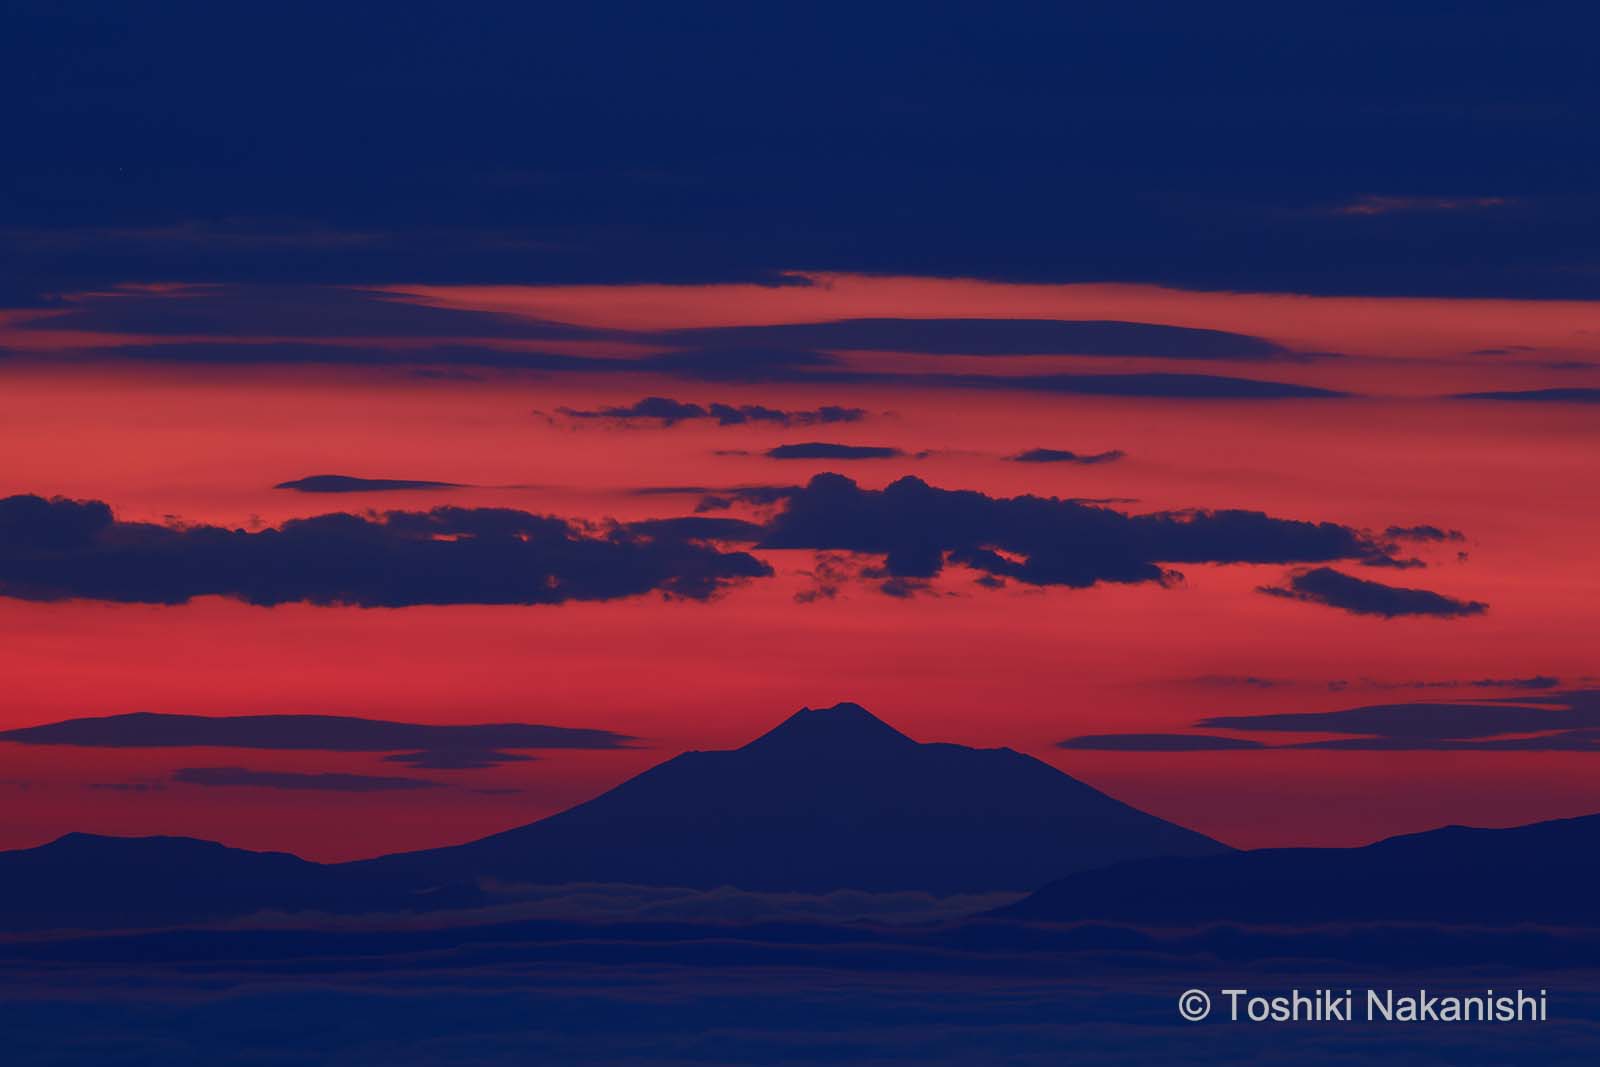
[[840, 730]]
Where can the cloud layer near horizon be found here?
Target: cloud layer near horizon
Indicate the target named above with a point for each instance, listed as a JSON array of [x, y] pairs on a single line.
[[320, 781], [326, 733], [1556, 722]]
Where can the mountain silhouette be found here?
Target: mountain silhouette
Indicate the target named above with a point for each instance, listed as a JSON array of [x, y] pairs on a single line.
[[1540, 873], [832, 798], [87, 881]]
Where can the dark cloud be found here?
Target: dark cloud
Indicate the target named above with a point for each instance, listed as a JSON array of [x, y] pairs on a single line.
[[905, 588], [671, 490], [827, 450], [63, 549], [326, 781], [741, 366], [1557, 722], [441, 374], [668, 412], [1058, 455], [418, 744], [1569, 395], [763, 497], [1429, 721], [1324, 585], [1387, 205], [341, 326], [989, 337], [1250, 680], [1173, 386], [443, 361], [1157, 743], [1423, 533], [744, 364], [1563, 741], [1531, 682], [699, 528], [345, 483], [458, 759], [918, 529], [305, 311]]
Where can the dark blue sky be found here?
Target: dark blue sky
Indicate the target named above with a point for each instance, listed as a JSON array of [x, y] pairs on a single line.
[[536, 143]]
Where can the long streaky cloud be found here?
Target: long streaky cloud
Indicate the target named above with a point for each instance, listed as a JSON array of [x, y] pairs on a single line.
[[423, 745], [664, 411]]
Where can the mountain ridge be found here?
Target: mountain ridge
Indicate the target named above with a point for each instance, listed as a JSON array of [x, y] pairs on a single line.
[[1538, 872]]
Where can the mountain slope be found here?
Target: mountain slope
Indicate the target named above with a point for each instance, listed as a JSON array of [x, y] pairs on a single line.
[[1544, 872], [830, 799]]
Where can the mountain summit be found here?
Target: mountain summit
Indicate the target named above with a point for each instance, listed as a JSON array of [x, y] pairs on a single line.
[[831, 798], [843, 731]]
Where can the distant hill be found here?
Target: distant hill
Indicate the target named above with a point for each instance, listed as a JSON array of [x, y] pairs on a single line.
[[1541, 873], [831, 799], [86, 881]]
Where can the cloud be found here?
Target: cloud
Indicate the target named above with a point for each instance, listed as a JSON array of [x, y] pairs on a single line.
[[1557, 722], [668, 412], [1530, 682], [918, 529], [64, 549], [1391, 205], [738, 365], [328, 312], [1173, 386], [730, 365], [1565, 741], [1422, 720], [443, 361], [425, 745], [1423, 533], [990, 337], [322, 781], [345, 483], [1157, 743], [1324, 585], [458, 759], [1252, 681], [826, 450], [1057, 455], [699, 528], [304, 324], [1569, 395], [724, 365]]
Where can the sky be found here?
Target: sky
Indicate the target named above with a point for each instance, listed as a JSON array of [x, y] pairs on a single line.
[[1076, 383]]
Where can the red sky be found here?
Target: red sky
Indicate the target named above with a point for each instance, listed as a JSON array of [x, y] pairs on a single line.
[[1021, 667]]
